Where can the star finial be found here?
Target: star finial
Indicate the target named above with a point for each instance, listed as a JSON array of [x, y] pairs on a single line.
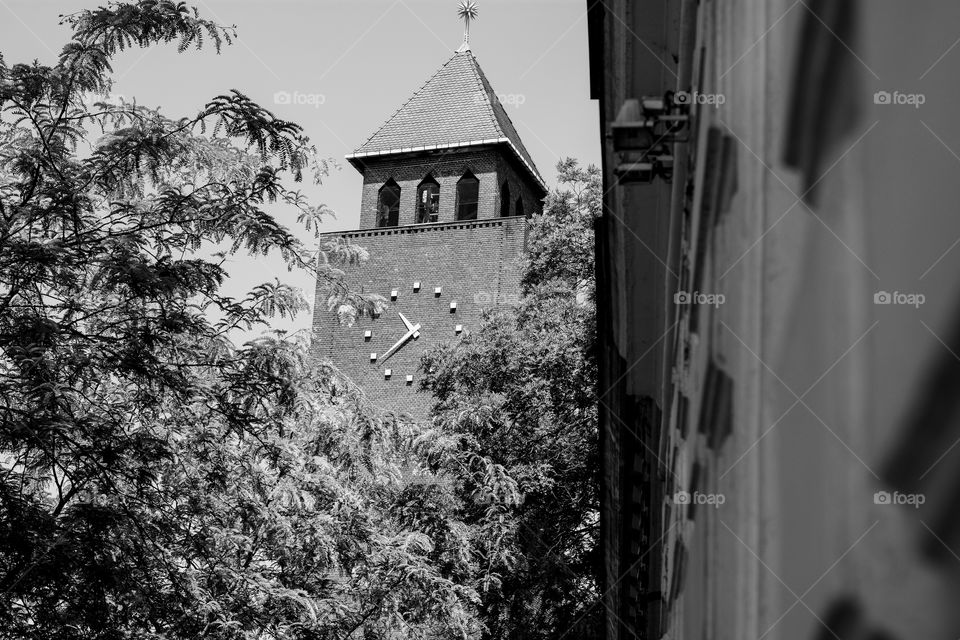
[[468, 11]]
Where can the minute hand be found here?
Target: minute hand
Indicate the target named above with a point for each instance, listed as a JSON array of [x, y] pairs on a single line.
[[409, 334]]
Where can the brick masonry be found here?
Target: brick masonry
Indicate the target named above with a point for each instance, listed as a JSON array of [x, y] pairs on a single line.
[[475, 263]]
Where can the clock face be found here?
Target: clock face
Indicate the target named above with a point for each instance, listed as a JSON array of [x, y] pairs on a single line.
[[417, 317]]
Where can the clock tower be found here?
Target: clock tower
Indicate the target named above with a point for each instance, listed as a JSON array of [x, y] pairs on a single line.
[[447, 189]]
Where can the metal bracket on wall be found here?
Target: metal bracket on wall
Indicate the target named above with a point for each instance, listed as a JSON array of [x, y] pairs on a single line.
[[642, 136]]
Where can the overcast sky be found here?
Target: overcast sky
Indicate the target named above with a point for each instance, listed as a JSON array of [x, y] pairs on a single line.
[[353, 62]]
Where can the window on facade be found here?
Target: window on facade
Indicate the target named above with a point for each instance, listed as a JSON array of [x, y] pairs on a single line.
[[518, 209], [505, 200], [428, 200], [468, 197], [388, 205]]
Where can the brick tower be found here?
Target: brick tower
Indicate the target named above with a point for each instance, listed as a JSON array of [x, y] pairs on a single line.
[[447, 189]]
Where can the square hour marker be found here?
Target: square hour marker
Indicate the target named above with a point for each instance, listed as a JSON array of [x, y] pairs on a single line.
[[458, 328], [387, 373], [367, 334], [416, 286], [373, 357], [453, 307], [393, 294], [438, 291]]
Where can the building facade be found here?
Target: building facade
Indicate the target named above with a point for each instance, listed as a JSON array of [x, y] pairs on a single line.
[[448, 187], [778, 432]]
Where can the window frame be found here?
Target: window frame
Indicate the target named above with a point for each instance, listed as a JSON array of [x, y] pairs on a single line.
[[390, 184], [468, 176], [428, 182], [505, 199]]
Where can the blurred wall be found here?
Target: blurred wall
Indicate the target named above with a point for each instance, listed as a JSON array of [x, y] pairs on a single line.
[[828, 371]]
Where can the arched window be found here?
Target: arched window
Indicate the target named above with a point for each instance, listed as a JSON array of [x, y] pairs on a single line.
[[388, 205], [428, 200], [468, 197], [505, 200], [518, 209]]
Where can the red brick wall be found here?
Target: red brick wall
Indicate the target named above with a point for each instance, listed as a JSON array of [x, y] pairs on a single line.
[[520, 185], [474, 262], [488, 164]]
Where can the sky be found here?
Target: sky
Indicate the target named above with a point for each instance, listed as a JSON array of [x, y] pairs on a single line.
[[348, 65]]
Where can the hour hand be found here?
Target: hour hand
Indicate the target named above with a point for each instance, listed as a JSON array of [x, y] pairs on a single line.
[[412, 333], [409, 325]]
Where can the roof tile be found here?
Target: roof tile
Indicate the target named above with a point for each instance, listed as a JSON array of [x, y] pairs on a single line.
[[457, 105]]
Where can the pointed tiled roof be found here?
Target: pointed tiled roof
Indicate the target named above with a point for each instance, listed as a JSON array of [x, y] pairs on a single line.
[[456, 107]]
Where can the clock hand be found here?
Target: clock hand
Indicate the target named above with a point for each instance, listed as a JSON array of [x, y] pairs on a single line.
[[415, 329], [409, 324], [392, 350]]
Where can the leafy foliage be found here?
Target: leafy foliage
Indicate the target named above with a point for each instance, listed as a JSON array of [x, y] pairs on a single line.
[[156, 479], [159, 481], [517, 410]]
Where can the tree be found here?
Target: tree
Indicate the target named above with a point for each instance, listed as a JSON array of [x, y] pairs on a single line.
[[516, 403], [157, 480]]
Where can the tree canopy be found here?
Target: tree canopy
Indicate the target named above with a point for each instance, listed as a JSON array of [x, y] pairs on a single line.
[[156, 479], [172, 469], [520, 395]]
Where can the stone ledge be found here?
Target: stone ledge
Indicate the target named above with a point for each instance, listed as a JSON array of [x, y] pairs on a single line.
[[425, 227]]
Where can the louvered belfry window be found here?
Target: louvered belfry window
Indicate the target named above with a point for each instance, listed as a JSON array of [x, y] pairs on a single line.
[[468, 197], [428, 200], [388, 205], [505, 200]]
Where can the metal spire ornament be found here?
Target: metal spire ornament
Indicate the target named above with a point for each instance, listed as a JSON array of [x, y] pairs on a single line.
[[468, 11]]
